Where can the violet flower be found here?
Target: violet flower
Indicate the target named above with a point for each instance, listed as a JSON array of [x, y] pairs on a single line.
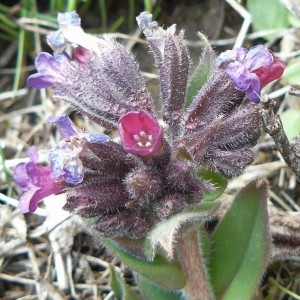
[[50, 71], [140, 133], [57, 40], [56, 69], [64, 158], [250, 70], [35, 180]]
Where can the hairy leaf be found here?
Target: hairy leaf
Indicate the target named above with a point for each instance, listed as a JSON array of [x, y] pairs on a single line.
[[241, 244], [152, 291], [202, 72], [290, 121], [268, 14], [120, 288], [160, 271], [165, 235], [215, 178]]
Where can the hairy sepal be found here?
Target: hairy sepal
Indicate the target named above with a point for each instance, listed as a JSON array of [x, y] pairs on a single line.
[[217, 97], [164, 237], [172, 59]]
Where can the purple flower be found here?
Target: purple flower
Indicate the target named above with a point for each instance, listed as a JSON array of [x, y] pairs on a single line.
[[250, 70], [56, 39], [64, 158], [34, 179], [50, 71], [140, 133], [68, 18]]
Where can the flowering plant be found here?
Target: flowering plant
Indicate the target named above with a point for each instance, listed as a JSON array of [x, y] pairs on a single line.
[[150, 196]]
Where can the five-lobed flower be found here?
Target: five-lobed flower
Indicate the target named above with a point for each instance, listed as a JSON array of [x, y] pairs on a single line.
[[140, 133], [64, 157], [250, 70], [36, 182]]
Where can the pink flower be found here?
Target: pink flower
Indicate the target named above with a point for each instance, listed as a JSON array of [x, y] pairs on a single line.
[[34, 179], [140, 133], [271, 72], [82, 55]]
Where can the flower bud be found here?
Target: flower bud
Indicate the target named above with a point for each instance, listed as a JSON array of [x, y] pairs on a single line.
[[181, 175], [143, 184], [170, 205]]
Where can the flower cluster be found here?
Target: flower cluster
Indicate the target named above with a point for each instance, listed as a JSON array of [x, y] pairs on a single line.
[[124, 189]]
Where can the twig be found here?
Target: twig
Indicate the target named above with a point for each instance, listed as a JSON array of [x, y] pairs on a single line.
[[36, 271], [251, 36], [247, 21], [269, 146], [290, 200], [16, 113], [12, 94], [18, 280], [295, 90], [273, 126], [109, 296], [13, 202], [69, 269]]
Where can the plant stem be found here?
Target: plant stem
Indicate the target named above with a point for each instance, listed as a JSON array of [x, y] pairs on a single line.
[[273, 126], [190, 258], [273, 281]]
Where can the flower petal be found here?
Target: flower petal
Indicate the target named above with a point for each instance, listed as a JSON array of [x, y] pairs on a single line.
[[49, 72], [21, 177], [253, 92], [257, 57], [65, 126], [95, 137], [239, 75], [28, 202], [270, 73], [65, 162], [68, 18], [236, 54]]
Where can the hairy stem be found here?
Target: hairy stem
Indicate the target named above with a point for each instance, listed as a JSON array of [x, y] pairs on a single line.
[[190, 258]]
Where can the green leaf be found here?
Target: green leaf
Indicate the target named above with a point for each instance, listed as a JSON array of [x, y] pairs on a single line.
[[119, 287], [268, 15], [291, 73], [216, 178], [151, 291], [290, 119], [202, 73], [160, 271], [241, 244]]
